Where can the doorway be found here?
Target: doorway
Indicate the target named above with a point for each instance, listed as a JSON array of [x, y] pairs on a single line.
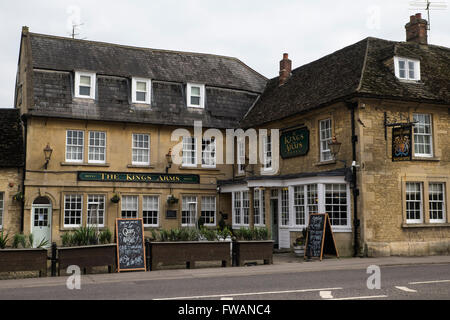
[[41, 220]]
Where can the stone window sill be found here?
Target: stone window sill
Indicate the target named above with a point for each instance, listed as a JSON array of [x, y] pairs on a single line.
[[432, 159], [324, 163], [425, 225], [198, 168], [81, 164], [137, 166]]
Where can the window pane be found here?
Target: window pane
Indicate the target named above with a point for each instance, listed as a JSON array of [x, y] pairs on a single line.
[[141, 86], [141, 96], [85, 81], [195, 91], [130, 206], [150, 210], [208, 214], [195, 101], [85, 91]]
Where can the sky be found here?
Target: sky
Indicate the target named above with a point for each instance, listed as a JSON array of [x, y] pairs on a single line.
[[257, 32]]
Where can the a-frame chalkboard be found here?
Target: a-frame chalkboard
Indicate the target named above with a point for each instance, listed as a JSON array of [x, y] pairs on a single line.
[[130, 245], [320, 238]]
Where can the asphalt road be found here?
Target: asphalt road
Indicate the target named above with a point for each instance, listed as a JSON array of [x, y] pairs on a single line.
[[424, 282]]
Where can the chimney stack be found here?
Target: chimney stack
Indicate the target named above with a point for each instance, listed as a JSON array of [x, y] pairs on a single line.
[[417, 29], [285, 69]]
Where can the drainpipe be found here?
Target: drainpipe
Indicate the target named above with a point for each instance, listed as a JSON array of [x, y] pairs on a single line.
[[25, 131], [354, 185]]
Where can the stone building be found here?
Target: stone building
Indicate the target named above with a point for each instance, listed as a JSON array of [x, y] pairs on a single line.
[[387, 104], [98, 123], [362, 134], [11, 169]]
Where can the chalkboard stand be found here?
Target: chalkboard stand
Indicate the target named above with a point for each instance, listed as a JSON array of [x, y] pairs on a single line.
[[320, 230], [139, 228]]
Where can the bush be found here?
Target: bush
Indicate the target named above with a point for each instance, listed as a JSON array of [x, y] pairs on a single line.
[[105, 237], [86, 236], [248, 234]]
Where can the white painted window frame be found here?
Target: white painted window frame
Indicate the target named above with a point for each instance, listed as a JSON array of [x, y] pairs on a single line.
[[267, 153], [420, 220], [430, 201], [133, 148], [124, 206], [101, 198], [322, 140], [417, 73], [148, 93], [186, 200], [202, 95], [93, 76], [209, 152], [147, 209], [416, 134], [241, 209], [185, 151], [68, 226], [74, 145], [241, 156], [94, 146], [203, 209]]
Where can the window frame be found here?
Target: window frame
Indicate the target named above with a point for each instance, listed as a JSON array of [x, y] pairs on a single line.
[[185, 199], [90, 146], [73, 195], [194, 151], [93, 77], [203, 202], [158, 202], [210, 155], [122, 210], [322, 140], [242, 211], [134, 91], [96, 202], [267, 149], [417, 72], [421, 202], [202, 95], [72, 145], [241, 160], [415, 134], [444, 204], [133, 148]]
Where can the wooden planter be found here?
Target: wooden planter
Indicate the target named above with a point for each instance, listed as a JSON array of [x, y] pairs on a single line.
[[87, 257], [252, 251], [189, 252], [13, 260]]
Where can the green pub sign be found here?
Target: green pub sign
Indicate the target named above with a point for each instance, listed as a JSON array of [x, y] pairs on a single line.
[[138, 177], [294, 143]]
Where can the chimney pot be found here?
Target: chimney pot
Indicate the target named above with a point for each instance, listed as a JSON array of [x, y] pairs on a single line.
[[417, 29], [285, 69]]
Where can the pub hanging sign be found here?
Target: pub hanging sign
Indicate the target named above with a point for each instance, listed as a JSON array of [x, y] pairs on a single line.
[[401, 143], [294, 143], [139, 177]]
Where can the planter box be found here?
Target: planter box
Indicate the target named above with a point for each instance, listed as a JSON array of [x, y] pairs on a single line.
[[12, 260], [253, 250], [189, 253], [87, 257]]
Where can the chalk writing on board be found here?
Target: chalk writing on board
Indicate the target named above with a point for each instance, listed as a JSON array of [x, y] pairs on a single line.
[[131, 253]]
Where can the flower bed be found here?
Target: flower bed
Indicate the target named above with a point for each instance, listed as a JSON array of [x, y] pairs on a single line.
[[13, 260], [189, 252], [87, 257]]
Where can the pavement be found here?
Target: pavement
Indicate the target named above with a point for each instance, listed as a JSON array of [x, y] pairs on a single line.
[[283, 263]]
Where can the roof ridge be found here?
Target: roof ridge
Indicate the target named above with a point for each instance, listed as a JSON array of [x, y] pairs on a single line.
[[139, 48], [363, 70]]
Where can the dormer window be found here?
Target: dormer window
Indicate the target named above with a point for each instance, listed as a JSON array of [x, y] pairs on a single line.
[[196, 95], [85, 85], [407, 69], [141, 90]]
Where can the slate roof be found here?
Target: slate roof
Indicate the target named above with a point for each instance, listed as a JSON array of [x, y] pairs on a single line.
[[231, 86], [363, 69], [11, 139]]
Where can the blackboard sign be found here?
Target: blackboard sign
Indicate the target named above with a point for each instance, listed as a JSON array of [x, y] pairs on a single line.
[[320, 238], [130, 245]]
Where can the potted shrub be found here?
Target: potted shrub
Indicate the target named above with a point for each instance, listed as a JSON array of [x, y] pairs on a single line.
[[115, 198], [19, 197], [172, 200], [299, 244]]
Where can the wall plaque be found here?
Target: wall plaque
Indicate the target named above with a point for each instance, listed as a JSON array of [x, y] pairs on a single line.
[[294, 143]]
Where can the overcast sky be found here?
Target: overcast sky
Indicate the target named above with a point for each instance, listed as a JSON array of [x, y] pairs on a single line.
[[257, 32]]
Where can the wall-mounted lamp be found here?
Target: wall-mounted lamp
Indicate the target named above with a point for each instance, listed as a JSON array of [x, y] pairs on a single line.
[[169, 160], [48, 155], [335, 147]]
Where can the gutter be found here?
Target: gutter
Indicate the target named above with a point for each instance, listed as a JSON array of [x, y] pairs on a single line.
[[354, 183]]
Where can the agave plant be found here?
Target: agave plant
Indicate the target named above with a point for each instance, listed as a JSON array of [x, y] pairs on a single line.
[[3, 240]]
